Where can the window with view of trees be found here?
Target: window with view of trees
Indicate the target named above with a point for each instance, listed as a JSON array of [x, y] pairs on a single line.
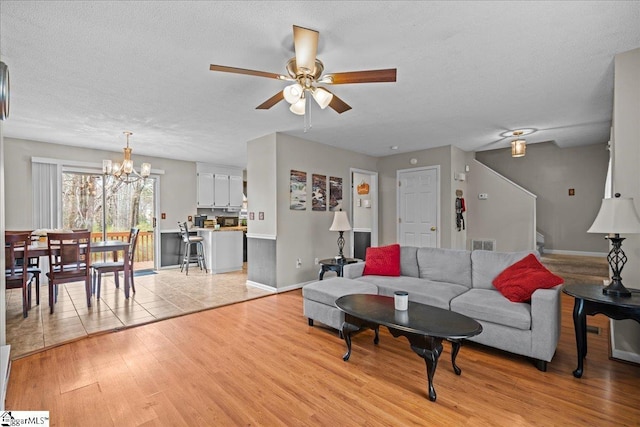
[[126, 206]]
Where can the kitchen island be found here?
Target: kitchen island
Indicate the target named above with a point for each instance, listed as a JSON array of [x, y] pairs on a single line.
[[222, 248]]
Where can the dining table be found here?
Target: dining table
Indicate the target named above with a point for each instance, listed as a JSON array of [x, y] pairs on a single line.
[[42, 250]]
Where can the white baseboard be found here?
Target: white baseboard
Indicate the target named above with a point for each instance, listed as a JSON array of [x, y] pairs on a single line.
[[578, 253], [261, 286], [278, 290]]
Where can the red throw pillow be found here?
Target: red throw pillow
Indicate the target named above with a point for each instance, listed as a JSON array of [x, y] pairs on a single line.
[[382, 261], [518, 281]]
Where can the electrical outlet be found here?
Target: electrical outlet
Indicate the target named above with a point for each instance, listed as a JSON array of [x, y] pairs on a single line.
[[483, 196], [316, 261], [299, 263]]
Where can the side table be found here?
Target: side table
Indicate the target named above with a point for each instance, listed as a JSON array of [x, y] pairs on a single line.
[[333, 264], [590, 300]]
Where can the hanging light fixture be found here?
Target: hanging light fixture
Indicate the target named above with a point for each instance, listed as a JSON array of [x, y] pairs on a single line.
[[125, 171], [305, 84], [518, 145]]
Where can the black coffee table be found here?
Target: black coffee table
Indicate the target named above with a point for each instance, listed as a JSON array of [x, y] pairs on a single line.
[[424, 326]]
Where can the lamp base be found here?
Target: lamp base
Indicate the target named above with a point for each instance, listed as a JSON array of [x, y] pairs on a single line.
[[616, 289]]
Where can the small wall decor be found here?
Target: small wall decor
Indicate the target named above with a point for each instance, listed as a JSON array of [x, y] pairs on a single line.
[[363, 187], [319, 192], [335, 193], [298, 190]]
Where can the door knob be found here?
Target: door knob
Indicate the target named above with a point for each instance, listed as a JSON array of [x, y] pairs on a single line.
[[433, 229]]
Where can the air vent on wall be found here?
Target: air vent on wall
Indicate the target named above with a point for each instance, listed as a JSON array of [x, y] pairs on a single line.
[[483, 245]]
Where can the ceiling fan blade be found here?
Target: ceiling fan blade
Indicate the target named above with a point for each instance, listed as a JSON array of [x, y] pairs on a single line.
[[338, 104], [235, 70], [271, 101], [368, 76], [305, 42]]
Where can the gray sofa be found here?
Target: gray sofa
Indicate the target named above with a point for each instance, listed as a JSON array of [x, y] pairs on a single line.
[[455, 280]]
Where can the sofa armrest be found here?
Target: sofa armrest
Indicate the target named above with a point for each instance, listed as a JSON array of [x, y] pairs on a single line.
[[545, 322], [351, 271]]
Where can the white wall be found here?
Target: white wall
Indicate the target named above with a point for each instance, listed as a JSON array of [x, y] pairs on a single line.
[[626, 179], [506, 216], [261, 185], [177, 189], [362, 215]]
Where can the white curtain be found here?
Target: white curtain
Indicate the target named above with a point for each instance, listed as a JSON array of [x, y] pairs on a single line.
[[46, 195]]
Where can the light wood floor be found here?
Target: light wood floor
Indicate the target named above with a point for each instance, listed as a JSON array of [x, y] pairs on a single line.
[[258, 363]]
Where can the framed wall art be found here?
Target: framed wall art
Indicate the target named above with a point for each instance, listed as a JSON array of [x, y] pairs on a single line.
[[319, 192], [335, 193], [298, 190]]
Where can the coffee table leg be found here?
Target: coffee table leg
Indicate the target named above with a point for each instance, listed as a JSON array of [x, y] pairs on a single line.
[[347, 328], [376, 339], [430, 356], [455, 348]]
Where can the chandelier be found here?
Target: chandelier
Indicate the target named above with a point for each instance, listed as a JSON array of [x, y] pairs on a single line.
[[125, 171]]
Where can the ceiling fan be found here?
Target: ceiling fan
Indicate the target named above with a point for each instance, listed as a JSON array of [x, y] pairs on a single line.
[[305, 70]]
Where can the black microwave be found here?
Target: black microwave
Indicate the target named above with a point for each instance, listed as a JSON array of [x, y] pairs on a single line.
[[227, 221]]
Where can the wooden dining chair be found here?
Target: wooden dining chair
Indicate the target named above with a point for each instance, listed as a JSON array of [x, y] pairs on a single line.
[[116, 267], [33, 263], [16, 251], [69, 261]]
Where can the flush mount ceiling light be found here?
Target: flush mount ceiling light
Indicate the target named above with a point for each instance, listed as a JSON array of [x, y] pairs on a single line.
[[125, 171]]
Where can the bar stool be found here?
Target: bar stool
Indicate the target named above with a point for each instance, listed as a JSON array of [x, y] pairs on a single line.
[[188, 241]]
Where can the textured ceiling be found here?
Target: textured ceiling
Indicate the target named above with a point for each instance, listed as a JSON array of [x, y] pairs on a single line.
[[83, 72]]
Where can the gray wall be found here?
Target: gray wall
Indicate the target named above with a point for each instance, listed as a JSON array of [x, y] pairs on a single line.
[[506, 216], [549, 172], [177, 185]]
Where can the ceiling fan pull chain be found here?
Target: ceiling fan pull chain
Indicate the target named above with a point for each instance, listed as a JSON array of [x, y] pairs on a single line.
[[307, 113]]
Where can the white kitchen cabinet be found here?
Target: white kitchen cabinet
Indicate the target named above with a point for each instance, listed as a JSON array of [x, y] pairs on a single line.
[[221, 191], [205, 190], [236, 191]]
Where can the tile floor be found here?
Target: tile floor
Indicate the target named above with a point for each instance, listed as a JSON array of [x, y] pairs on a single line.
[[158, 296]]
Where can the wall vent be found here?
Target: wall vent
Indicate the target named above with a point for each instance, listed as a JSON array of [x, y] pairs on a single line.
[[483, 245]]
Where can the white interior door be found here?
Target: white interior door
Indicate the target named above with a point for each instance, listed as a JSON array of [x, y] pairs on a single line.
[[418, 207]]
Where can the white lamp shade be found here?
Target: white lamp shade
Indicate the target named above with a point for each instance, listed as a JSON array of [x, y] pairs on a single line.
[[617, 215], [340, 222], [292, 93], [323, 97], [298, 108]]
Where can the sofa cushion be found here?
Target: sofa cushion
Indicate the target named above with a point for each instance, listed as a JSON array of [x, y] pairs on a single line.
[[382, 261], [437, 294], [518, 281], [486, 265], [445, 265], [409, 261], [491, 306], [327, 291]]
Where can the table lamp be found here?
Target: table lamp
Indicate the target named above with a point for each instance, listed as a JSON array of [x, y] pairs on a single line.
[[340, 224], [616, 216]]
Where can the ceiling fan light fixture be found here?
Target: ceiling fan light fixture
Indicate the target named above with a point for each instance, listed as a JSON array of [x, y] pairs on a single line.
[[293, 93], [299, 107], [322, 96]]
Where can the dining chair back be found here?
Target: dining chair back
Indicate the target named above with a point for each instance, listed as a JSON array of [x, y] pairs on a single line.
[[16, 250], [116, 267], [69, 261], [33, 262]]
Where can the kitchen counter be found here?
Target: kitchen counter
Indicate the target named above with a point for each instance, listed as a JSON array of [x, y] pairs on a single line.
[[223, 248]]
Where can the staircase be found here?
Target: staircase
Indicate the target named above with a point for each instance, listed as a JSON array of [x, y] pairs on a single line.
[[577, 269]]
